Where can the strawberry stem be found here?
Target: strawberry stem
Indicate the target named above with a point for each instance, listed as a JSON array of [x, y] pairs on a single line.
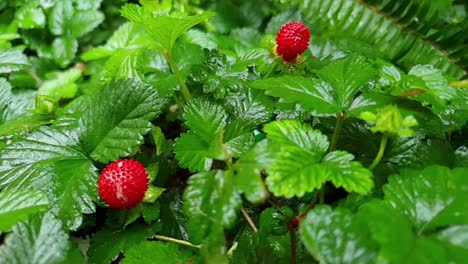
[[340, 117], [180, 78], [177, 241], [383, 145]]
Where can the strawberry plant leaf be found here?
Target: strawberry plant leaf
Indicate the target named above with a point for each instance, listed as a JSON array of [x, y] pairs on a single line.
[[64, 49], [193, 153], [398, 242], [347, 76], [346, 173], [74, 191], [63, 86], [16, 206], [312, 94], [107, 244], [147, 252], [118, 118], [196, 149], [40, 239], [442, 206], [334, 92], [128, 36], [12, 60], [333, 236], [204, 118], [165, 29], [301, 165], [249, 167], [49, 159], [211, 200]]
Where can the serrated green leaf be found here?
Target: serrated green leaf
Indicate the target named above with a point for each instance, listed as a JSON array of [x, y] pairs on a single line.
[[30, 16], [295, 134], [150, 212], [204, 118], [174, 220], [64, 49], [461, 157], [193, 153], [118, 118], [75, 191], [40, 239], [18, 205], [52, 161], [84, 22], [391, 229], [249, 167], [312, 94], [211, 201], [333, 236], [165, 29], [16, 103], [238, 137], [438, 192], [63, 86], [107, 244], [127, 37], [251, 107], [334, 92], [346, 76], [12, 60], [147, 252], [346, 173]]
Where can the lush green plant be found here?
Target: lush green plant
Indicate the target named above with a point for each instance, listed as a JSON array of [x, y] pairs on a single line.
[[355, 153]]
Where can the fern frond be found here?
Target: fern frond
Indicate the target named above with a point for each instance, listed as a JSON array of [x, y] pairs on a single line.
[[394, 30]]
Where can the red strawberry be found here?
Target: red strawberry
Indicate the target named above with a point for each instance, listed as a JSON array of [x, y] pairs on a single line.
[[292, 40], [123, 184]]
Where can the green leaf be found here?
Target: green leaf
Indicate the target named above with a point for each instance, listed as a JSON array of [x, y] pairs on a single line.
[[204, 118], [301, 166], [147, 252], [75, 191], [30, 16], [118, 118], [52, 161], [333, 236], [249, 167], [38, 240], [251, 106], [127, 37], [312, 94], [398, 243], [438, 192], [174, 220], [351, 175], [193, 153], [165, 29], [18, 205], [84, 22], [15, 103], [12, 60], [107, 244], [346, 76], [64, 49], [63, 86], [211, 201], [150, 212], [334, 92]]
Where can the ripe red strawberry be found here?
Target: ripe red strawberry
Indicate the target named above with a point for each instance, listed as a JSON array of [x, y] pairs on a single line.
[[123, 184], [292, 40]]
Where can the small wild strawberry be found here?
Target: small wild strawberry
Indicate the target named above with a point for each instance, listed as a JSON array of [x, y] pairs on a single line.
[[292, 40], [123, 183]]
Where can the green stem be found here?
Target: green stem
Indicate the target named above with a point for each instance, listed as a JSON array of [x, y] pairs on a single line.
[[322, 194], [177, 241], [378, 158], [336, 133], [180, 78]]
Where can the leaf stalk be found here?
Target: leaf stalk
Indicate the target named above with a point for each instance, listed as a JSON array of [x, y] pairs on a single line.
[[177, 241], [378, 158]]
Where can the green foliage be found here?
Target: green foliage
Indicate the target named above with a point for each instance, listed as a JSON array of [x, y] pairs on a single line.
[[356, 153]]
